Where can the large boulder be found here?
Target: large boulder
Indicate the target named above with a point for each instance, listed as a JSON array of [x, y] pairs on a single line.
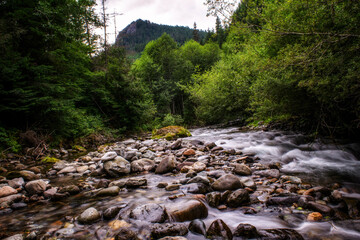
[[227, 182], [187, 210], [171, 132], [166, 165], [89, 216], [246, 231], [117, 167], [35, 187], [142, 165]]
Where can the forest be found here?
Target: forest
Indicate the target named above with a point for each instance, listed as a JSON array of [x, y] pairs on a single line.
[[283, 61]]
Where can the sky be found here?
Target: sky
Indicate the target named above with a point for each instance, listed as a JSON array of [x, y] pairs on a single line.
[[169, 12]]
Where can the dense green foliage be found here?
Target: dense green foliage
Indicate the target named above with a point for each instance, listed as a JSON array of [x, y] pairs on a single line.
[[49, 81], [137, 34], [168, 70], [288, 59]]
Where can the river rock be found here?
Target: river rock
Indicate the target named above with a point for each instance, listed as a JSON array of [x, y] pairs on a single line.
[[28, 175], [314, 217], [227, 182], [187, 210], [246, 231], [72, 189], [213, 199], [199, 179], [196, 188], [274, 173], [189, 152], [238, 198], [120, 183], [320, 207], [285, 201], [110, 191], [10, 199], [109, 156], [89, 216], [19, 205], [82, 169], [15, 237], [172, 187], [149, 155], [50, 192], [199, 166], [129, 155], [117, 167], [219, 230], [166, 165], [111, 212], [151, 212], [241, 169], [197, 226], [291, 179], [136, 182], [168, 229], [69, 169], [6, 191], [248, 182], [16, 182], [176, 144], [281, 234], [35, 187], [173, 238], [126, 234], [210, 145], [142, 165]]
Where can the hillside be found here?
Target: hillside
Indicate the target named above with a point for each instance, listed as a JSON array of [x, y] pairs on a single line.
[[137, 34]]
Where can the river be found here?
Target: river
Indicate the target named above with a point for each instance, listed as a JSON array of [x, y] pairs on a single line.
[[315, 162]]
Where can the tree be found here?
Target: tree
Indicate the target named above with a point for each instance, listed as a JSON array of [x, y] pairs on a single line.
[[196, 36]]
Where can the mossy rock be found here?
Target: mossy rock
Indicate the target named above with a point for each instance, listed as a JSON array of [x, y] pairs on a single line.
[[49, 160], [79, 148], [170, 132]]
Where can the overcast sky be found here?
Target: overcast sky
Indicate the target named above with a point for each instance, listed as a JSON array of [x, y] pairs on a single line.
[[169, 12]]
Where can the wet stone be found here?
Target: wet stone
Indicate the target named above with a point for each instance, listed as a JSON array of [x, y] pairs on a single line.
[[196, 188], [136, 182], [111, 212], [110, 191], [286, 234], [89, 216], [28, 175], [168, 229], [172, 187], [238, 198], [187, 210], [213, 199], [151, 212], [6, 191], [142, 165], [117, 167], [274, 173], [109, 156], [227, 182], [18, 205], [285, 201], [242, 169], [166, 165], [197, 226], [162, 184], [16, 182], [246, 231], [199, 179], [218, 228], [15, 237], [35, 187], [126, 234]]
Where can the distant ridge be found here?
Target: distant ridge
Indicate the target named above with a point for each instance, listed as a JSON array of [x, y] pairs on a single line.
[[137, 34]]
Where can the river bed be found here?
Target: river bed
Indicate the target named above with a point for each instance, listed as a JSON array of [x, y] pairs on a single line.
[[314, 162]]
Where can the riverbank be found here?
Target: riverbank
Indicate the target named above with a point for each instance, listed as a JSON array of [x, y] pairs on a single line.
[[195, 187]]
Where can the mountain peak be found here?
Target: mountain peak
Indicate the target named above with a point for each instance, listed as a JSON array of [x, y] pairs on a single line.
[[137, 34]]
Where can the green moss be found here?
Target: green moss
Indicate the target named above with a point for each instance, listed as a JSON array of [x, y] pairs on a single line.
[[170, 132], [48, 159], [79, 148]]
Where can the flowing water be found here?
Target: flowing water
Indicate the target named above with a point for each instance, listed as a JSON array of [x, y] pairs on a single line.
[[315, 162]]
